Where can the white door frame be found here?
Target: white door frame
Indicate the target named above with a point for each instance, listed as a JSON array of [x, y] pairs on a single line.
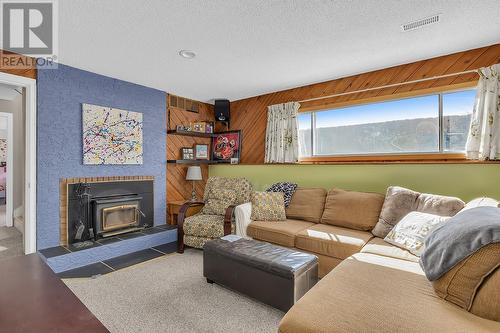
[[9, 191], [30, 159]]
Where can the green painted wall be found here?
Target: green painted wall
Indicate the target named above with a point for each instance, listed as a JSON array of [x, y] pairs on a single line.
[[465, 181]]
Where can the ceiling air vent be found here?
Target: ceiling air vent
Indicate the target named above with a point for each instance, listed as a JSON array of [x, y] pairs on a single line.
[[420, 23]]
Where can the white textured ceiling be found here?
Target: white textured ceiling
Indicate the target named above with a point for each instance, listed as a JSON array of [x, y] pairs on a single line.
[[251, 47]]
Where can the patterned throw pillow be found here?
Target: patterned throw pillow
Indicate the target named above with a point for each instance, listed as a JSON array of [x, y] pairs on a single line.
[[288, 189], [218, 201], [268, 206], [411, 231]]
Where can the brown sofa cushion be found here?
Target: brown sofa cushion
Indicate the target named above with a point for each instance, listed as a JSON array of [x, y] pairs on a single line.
[[331, 241], [279, 232], [307, 204], [350, 209], [486, 303], [380, 247], [459, 285], [400, 201], [370, 293]]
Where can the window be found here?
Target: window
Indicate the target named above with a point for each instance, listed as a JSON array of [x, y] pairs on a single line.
[[425, 124]]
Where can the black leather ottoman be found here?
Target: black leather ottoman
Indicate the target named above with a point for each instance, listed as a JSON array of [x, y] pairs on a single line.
[[271, 274]]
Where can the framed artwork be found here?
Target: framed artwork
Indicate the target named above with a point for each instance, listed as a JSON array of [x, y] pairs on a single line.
[[111, 136], [201, 151], [187, 153], [226, 145], [3, 150]]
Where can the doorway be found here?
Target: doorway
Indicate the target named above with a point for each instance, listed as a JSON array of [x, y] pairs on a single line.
[[11, 171], [20, 172]]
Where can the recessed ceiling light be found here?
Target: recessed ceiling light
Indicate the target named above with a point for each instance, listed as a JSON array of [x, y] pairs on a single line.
[[187, 54]]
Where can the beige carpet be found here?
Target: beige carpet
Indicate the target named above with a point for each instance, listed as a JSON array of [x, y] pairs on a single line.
[[170, 294], [11, 243]]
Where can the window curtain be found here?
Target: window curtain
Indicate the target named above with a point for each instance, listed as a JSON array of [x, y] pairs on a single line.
[[282, 144], [483, 142]]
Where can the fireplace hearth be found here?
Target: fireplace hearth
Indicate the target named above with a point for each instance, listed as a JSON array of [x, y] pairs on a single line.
[[103, 209]]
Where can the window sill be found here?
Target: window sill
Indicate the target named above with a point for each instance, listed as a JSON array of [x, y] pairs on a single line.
[[394, 159]]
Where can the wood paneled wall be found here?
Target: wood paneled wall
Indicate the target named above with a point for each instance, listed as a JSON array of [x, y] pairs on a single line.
[[28, 71], [250, 115], [177, 186]]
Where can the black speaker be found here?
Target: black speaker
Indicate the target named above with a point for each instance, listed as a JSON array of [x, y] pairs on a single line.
[[222, 110]]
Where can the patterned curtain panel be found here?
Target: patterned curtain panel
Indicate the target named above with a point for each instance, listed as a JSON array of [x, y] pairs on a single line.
[[282, 145], [483, 142]]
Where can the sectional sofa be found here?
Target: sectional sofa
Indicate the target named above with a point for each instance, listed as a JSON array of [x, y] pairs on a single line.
[[368, 285]]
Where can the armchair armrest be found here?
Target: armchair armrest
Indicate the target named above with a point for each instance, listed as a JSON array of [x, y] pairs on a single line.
[[228, 219], [180, 222]]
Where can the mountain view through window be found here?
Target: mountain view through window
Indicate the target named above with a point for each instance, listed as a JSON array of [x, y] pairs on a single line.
[[410, 125]]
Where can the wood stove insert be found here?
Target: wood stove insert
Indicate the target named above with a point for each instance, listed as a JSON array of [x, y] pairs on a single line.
[[104, 209]]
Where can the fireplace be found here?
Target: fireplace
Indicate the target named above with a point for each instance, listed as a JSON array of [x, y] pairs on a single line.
[[104, 209]]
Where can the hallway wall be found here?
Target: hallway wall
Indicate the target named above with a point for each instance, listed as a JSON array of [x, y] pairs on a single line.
[[17, 108]]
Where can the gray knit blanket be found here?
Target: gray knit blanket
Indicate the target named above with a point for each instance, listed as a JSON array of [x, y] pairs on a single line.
[[458, 238]]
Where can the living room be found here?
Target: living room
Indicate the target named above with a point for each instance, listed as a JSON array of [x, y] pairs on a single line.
[[251, 166]]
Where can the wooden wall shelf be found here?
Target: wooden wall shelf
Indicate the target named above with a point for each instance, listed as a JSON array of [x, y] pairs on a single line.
[[194, 162], [190, 133]]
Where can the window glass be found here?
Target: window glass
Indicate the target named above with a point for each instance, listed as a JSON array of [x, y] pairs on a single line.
[[394, 127], [457, 112]]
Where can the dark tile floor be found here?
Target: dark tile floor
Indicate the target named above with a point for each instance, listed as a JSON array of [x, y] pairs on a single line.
[[110, 265], [61, 250]]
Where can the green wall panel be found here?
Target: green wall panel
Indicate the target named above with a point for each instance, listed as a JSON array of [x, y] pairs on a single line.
[[465, 181]]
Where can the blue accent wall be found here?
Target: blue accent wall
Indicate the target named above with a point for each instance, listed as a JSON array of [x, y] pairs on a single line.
[[61, 93]]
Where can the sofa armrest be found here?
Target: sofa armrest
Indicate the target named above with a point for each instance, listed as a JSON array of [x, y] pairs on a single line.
[[228, 219], [180, 222], [242, 215]]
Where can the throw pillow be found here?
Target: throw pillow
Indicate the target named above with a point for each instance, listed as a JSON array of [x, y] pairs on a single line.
[[400, 201], [350, 209], [482, 202], [462, 253], [411, 231], [288, 189], [218, 201], [268, 206]]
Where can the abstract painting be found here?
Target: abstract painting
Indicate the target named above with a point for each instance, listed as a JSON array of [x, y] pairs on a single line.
[[111, 136]]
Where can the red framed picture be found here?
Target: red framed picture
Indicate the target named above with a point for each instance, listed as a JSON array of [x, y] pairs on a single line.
[[226, 145]]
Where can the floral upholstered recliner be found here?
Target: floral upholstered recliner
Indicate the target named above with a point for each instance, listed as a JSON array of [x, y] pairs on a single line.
[[215, 220]]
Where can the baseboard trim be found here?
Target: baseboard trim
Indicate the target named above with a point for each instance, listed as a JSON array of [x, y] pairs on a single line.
[[19, 211], [19, 224]]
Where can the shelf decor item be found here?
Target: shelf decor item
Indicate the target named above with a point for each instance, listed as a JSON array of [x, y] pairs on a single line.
[[111, 136], [194, 174], [199, 127], [201, 151], [187, 153], [226, 145], [209, 127]]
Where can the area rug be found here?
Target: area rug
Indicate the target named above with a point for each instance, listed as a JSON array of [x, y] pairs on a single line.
[[170, 294]]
